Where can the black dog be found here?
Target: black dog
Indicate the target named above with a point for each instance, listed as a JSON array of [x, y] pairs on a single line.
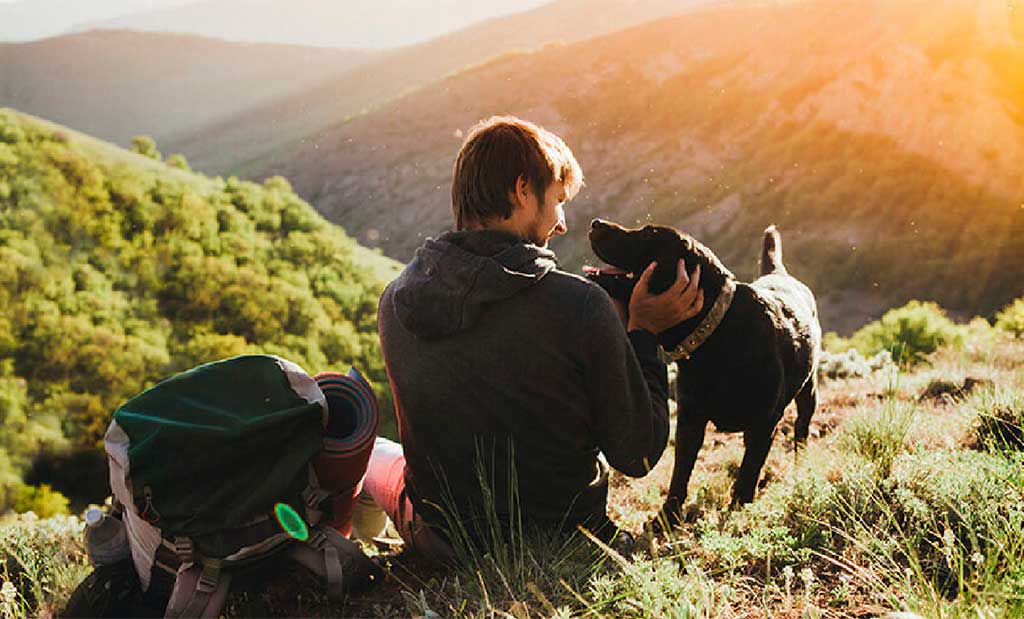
[[751, 350]]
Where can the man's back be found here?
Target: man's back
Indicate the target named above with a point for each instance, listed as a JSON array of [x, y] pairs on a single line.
[[497, 358]]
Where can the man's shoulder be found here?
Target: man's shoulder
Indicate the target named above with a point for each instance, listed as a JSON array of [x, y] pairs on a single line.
[[571, 283], [570, 289]]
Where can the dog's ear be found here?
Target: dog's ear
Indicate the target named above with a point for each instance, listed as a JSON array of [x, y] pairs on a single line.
[[664, 274], [670, 246]]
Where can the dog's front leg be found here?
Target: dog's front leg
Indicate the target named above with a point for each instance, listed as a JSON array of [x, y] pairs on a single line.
[[757, 442], [689, 439]]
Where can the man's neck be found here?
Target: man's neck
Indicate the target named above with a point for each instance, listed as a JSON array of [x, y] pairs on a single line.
[[509, 226]]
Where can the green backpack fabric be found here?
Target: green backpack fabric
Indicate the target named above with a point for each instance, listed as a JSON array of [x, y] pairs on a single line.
[[205, 463], [222, 426]]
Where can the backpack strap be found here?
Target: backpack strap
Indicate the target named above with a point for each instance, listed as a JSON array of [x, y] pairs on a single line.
[[313, 497], [320, 556], [200, 591], [328, 554]]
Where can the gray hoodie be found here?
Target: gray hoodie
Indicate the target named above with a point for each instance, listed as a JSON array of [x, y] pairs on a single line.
[[505, 368]]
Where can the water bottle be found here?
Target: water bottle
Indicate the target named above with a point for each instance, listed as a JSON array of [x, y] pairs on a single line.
[[106, 539]]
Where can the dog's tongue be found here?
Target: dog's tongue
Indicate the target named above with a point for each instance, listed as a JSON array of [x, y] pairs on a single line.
[[592, 270]]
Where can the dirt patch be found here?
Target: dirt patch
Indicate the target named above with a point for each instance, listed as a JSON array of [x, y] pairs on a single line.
[[952, 391]]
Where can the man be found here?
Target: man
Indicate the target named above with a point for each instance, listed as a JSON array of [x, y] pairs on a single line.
[[509, 375]]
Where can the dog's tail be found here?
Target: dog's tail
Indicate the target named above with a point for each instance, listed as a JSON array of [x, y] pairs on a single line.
[[771, 252]]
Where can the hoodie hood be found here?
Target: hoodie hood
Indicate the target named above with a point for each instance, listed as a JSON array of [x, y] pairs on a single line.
[[452, 279]]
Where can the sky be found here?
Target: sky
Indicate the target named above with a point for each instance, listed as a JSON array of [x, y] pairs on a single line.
[[25, 20], [345, 23]]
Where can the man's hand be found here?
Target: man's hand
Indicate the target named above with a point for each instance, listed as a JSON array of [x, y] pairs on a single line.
[[657, 313]]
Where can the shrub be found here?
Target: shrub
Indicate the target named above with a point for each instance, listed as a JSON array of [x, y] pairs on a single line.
[[879, 436], [834, 343], [909, 333], [943, 529], [178, 161], [651, 588], [980, 338], [22, 436], [42, 500], [278, 183], [850, 364], [145, 146], [1011, 318]]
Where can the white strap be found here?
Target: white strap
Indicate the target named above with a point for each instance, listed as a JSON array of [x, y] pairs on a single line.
[[199, 593]]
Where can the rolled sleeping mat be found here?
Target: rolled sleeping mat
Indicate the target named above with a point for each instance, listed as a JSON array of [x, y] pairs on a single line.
[[353, 419]]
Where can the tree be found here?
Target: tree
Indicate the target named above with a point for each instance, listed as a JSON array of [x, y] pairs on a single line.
[[146, 146], [177, 160]]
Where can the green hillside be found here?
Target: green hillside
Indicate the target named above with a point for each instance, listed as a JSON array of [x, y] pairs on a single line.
[[117, 270]]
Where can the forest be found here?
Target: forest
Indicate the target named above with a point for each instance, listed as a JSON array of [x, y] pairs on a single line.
[[119, 269]]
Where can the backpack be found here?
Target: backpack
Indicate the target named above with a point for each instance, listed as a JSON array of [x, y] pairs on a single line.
[[216, 470]]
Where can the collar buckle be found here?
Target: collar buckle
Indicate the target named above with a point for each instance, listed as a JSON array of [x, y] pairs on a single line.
[[685, 349]]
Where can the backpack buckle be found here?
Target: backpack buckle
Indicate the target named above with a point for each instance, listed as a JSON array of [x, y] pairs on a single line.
[[313, 497], [208, 579], [317, 539], [184, 549]]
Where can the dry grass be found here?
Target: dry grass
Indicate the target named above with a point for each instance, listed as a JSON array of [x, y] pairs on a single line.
[[835, 534], [810, 582]]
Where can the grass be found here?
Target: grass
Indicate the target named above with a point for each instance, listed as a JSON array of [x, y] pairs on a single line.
[[899, 503], [43, 561]]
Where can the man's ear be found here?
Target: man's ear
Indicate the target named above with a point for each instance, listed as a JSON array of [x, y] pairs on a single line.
[[520, 195], [522, 186]]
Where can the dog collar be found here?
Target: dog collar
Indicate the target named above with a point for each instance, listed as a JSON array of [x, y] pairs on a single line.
[[685, 349]]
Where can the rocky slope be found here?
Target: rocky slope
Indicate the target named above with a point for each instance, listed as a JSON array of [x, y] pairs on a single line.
[[243, 144], [885, 139]]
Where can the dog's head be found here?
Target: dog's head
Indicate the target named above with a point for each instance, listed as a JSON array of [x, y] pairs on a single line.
[[632, 249]]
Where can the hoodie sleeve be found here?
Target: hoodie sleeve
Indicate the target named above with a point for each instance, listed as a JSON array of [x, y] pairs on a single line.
[[627, 386]]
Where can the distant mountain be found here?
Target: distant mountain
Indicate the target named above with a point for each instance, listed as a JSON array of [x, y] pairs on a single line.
[[117, 84], [244, 142], [349, 23], [884, 138], [28, 20]]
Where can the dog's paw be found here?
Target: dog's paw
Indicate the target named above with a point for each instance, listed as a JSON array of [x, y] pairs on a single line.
[[673, 514], [623, 543], [661, 524]]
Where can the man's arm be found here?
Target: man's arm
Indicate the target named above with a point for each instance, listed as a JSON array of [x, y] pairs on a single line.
[[627, 386], [627, 382]]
